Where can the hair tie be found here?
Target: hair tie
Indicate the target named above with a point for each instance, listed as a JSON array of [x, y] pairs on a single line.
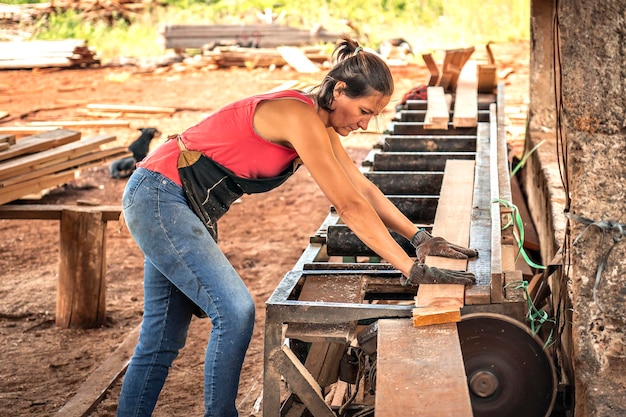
[[357, 50]]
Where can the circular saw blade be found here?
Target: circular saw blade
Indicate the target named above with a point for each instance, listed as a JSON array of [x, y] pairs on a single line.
[[508, 371]]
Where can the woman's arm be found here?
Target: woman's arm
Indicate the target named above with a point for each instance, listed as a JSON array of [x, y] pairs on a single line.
[[391, 216], [296, 124]]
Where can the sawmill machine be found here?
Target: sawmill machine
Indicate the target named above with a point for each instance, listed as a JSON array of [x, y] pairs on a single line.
[[341, 337]]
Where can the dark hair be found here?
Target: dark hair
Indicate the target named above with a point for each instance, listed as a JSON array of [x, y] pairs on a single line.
[[363, 72]]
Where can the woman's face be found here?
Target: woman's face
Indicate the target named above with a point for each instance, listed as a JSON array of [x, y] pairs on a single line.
[[353, 113]]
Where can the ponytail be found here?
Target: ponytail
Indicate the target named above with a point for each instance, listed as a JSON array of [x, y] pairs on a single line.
[[363, 72]]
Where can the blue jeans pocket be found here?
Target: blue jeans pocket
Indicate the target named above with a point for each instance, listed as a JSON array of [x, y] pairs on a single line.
[[128, 197]]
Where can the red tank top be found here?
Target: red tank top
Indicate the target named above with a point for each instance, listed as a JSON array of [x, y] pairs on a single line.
[[227, 136]]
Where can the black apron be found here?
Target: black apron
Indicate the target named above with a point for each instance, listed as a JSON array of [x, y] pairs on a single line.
[[211, 188]]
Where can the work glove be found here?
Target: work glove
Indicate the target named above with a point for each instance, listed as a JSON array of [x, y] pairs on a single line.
[[423, 274], [425, 244]]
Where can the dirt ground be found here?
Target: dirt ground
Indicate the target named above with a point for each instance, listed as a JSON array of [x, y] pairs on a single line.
[[42, 366]]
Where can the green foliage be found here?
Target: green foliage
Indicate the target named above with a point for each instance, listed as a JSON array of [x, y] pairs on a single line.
[[429, 25]]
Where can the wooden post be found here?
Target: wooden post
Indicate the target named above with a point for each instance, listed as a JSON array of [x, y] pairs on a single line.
[[81, 292]]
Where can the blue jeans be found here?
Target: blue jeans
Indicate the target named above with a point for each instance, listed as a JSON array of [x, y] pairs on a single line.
[[184, 272]]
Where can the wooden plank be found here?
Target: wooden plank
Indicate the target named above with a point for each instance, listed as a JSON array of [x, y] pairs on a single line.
[[432, 68], [83, 123], [35, 185], [10, 139], [438, 303], [466, 98], [127, 108], [53, 157], [98, 383], [40, 142], [453, 217], [84, 161], [437, 110], [52, 211], [297, 59], [420, 371], [28, 163], [301, 381], [453, 63], [25, 130]]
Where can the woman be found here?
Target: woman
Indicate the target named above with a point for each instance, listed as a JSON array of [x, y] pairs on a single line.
[[252, 145]]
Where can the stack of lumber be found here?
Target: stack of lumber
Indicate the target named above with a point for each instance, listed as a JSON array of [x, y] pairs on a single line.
[[257, 57], [35, 163], [41, 54], [182, 37]]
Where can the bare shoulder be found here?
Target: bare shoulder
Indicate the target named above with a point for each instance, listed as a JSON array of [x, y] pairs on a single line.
[[282, 119]]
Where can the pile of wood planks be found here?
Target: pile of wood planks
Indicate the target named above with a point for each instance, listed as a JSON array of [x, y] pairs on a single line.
[[43, 54], [181, 37], [258, 57], [35, 163]]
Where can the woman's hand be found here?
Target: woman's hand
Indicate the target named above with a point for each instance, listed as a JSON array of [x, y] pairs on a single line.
[[425, 244], [423, 274]]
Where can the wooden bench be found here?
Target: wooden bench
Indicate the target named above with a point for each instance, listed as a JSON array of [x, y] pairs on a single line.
[[81, 290]]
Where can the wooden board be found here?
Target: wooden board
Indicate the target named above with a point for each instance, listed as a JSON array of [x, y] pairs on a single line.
[[127, 108], [59, 154], [437, 110], [297, 59], [420, 371], [466, 98], [453, 63], [438, 303], [432, 68], [40, 142], [453, 216], [52, 211], [96, 386]]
